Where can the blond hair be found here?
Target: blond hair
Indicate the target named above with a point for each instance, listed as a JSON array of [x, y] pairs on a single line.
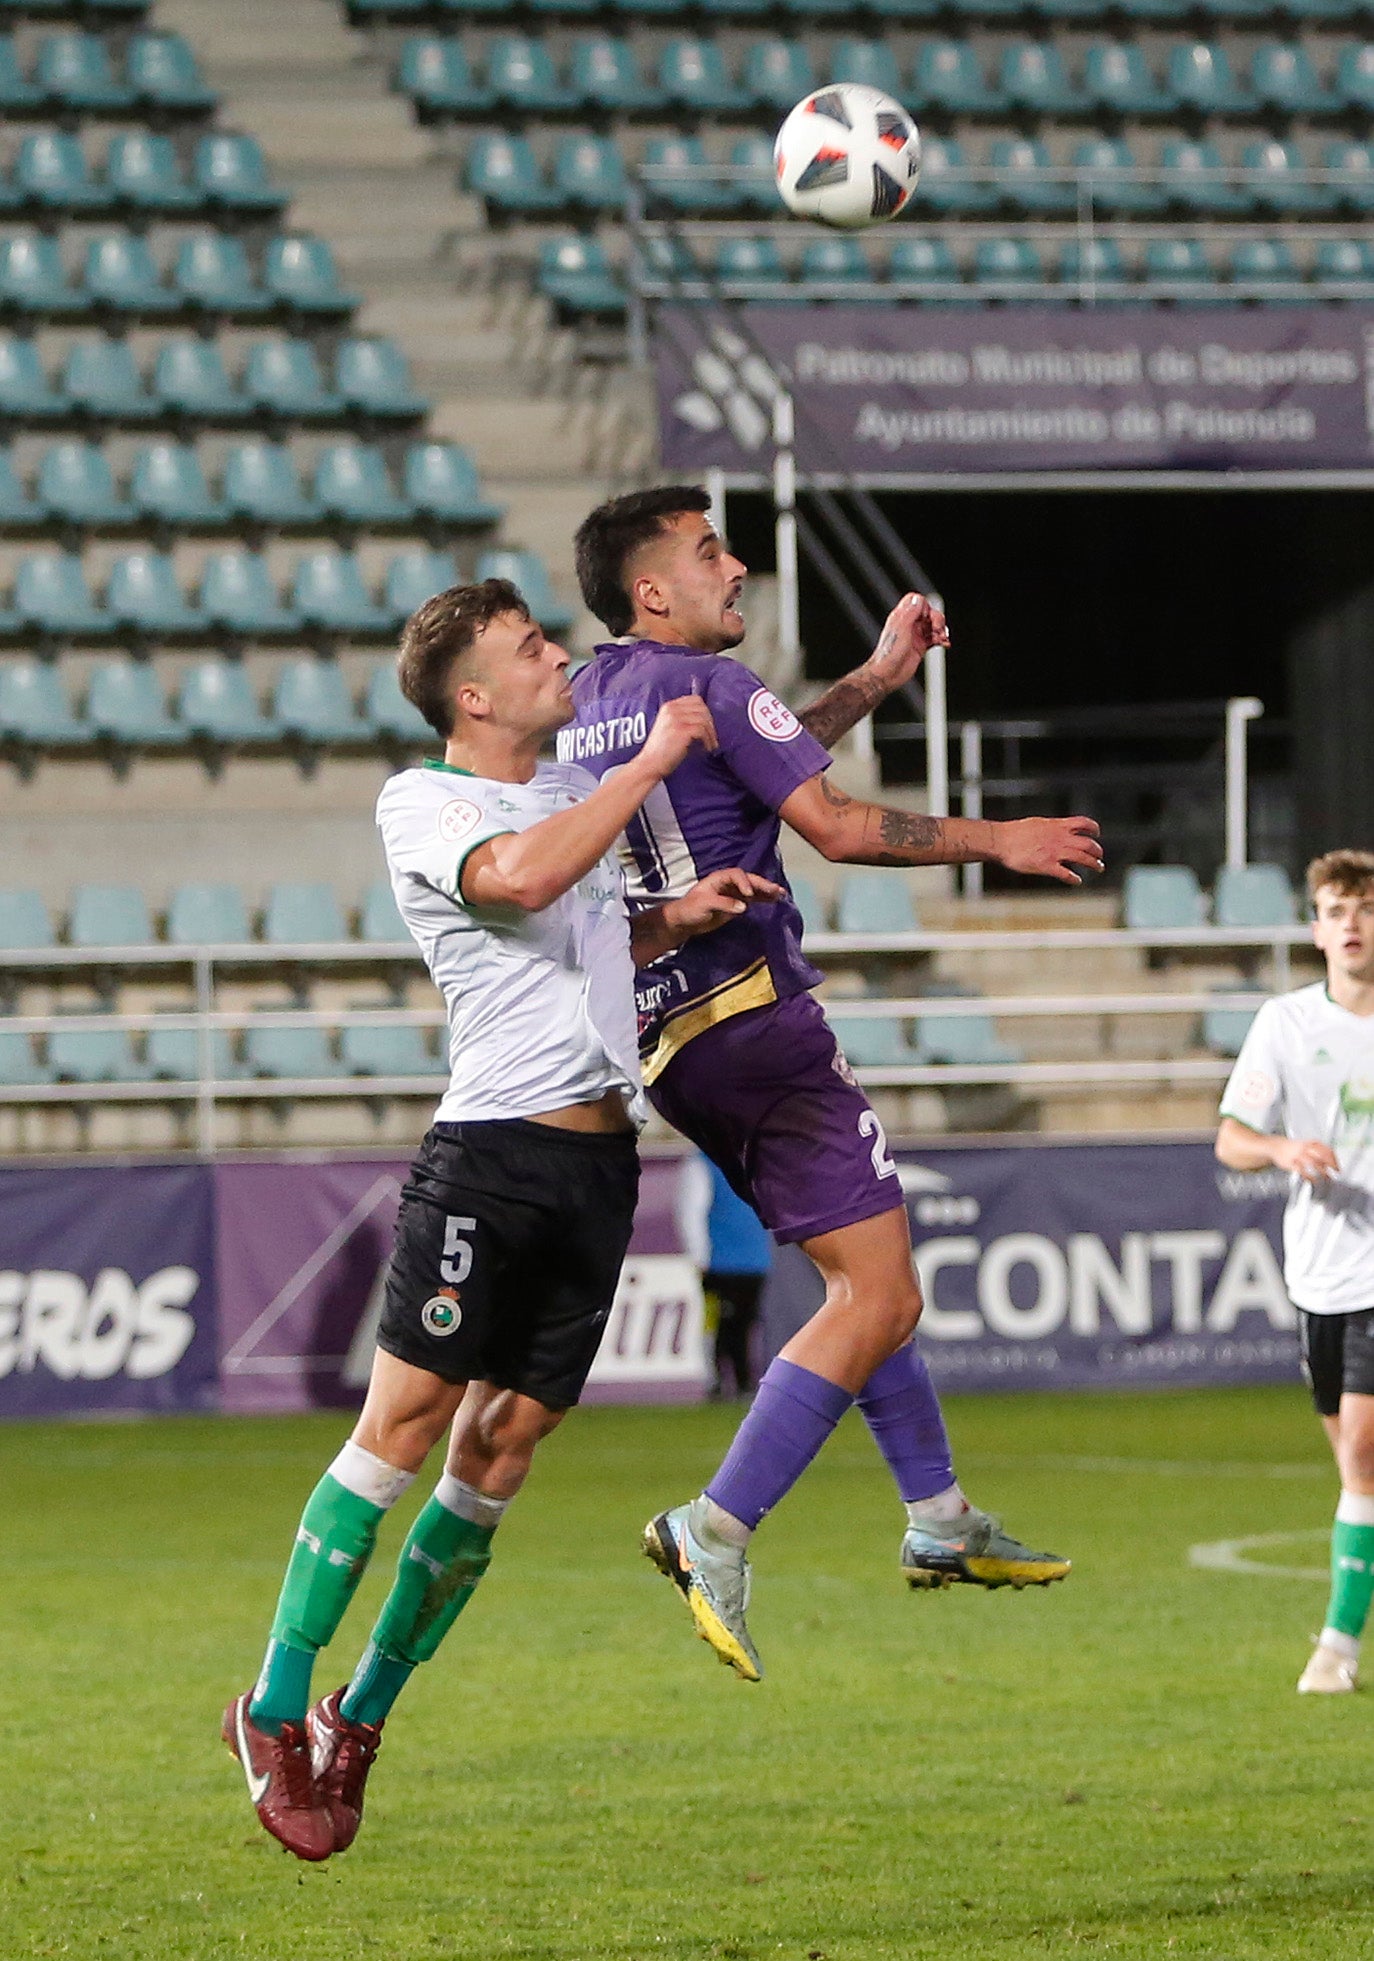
[[1350, 873]]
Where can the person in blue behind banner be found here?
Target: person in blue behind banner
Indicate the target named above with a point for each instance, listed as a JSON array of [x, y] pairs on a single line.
[[735, 1253]]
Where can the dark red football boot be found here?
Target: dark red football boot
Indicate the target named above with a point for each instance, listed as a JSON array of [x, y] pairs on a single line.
[[341, 1754], [280, 1786]]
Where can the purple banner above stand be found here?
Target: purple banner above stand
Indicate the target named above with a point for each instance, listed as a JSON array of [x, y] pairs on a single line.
[[906, 391]]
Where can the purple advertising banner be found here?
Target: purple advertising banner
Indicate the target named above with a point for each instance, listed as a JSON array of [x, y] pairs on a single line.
[[909, 391], [107, 1290]]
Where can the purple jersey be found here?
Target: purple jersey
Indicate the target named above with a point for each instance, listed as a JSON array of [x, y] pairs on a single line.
[[713, 812]]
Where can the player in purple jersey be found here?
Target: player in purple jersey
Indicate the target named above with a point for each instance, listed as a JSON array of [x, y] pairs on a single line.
[[738, 1056]]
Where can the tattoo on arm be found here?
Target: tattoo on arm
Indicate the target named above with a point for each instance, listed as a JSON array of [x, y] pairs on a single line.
[[833, 794], [908, 838], [837, 711]]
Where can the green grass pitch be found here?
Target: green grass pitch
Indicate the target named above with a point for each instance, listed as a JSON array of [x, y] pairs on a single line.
[[1118, 1765]]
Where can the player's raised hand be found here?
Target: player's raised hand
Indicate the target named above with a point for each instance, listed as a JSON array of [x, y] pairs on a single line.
[[912, 628], [1308, 1157], [721, 896], [1050, 847], [679, 725]]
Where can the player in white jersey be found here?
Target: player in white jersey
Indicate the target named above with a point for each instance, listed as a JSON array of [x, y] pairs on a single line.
[[1301, 1097], [518, 1211]]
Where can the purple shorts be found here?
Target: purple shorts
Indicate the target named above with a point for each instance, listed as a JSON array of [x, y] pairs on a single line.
[[768, 1096]]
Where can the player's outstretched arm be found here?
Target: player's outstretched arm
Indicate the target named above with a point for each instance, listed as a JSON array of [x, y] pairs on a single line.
[[850, 832], [710, 903], [1241, 1149], [530, 869], [912, 628]]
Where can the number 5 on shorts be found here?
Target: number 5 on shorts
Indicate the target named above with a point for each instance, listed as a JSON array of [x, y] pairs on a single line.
[[870, 1125], [456, 1264]]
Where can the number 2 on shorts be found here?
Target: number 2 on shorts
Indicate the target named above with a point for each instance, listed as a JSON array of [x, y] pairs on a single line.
[[870, 1125], [456, 1264]]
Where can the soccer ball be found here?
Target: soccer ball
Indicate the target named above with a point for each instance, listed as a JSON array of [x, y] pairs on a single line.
[[848, 155]]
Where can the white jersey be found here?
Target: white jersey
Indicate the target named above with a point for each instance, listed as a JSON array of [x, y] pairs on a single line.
[[541, 1008], [1306, 1069]]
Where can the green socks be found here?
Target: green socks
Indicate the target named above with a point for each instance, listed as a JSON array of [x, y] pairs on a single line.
[[1352, 1566]]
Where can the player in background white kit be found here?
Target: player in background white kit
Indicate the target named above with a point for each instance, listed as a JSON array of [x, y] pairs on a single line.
[[515, 1219], [1301, 1097]]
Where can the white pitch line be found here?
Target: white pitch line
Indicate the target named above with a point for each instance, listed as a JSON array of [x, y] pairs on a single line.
[[1228, 1555], [1157, 1467]]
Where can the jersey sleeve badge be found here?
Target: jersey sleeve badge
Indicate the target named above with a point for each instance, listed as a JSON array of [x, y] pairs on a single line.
[[458, 819], [771, 718]]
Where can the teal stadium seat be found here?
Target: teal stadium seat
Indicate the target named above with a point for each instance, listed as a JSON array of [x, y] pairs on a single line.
[[168, 486], [501, 170], [352, 487], [1109, 163], [212, 276], [443, 486], [1120, 80], [1160, 898], [1225, 1029], [1007, 263], [374, 381], [1323, 12], [18, 95], [838, 262], [143, 598], [1355, 162], [1035, 80], [19, 1063], [288, 1053], [121, 276], [1199, 183], [390, 716], [522, 77], [1254, 895], [809, 904], [260, 486], [1170, 13], [870, 63], [76, 487], [329, 595], [904, 12], [944, 188], [576, 277], [926, 262], [92, 1055], [282, 378], [34, 711], [1276, 182], [372, 1051], [1264, 263], [101, 380], [677, 175], [1023, 170], [1201, 77], [109, 916], [963, 1041], [606, 74], [74, 72], [208, 915], [379, 918], [18, 511], [25, 394], [230, 174], [589, 174], [143, 175], [51, 173], [299, 274], [1355, 78], [217, 703], [191, 382], [414, 576], [749, 263], [172, 1055], [163, 74], [950, 79], [435, 74], [1097, 266], [125, 704], [756, 193], [693, 76], [33, 280], [874, 902], [25, 923], [872, 1041], [777, 74], [529, 574], [1284, 77], [52, 598], [1181, 264], [1344, 262], [237, 592], [303, 915]]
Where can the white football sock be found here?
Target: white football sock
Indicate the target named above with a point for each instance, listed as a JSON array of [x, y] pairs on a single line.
[[945, 1505]]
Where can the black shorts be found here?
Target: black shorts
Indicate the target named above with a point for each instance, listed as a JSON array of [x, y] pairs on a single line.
[[508, 1250], [1337, 1356]]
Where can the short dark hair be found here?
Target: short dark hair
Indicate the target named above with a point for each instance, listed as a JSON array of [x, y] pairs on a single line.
[[1350, 873], [613, 533], [439, 633]]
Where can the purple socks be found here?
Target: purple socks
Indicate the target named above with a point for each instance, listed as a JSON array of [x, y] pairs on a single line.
[[900, 1407], [788, 1421]]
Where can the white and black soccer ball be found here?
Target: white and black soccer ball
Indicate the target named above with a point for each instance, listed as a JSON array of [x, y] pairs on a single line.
[[848, 155]]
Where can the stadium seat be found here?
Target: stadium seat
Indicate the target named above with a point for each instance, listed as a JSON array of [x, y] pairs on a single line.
[[1108, 164], [874, 902], [1119, 79], [190, 380], [1254, 895], [1322, 12], [101, 380], [75, 486], [121, 275], [677, 175], [303, 915], [109, 915], [693, 76], [872, 1041], [33, 708], [260, 484], [173, 1055], [379, 918], [605, 74], [501, 170], [1201, 77], [18, 95], [809, 904], [51, 597], [92, 1055], [1197, 180], [73, 70], [1355, 162], [575, 276], [19, 1064], [589, 174], [25, 395], [299, 273], [436, 76], [1276, 181], [1035, 80], [899, 12], [352, 487], [835, 262], [1097, 266], [944, 187], [1180, 263], [669, 262], [162, 72], [51, 173], [964, 1041], [1344, 262], [527, 572], [443, 486], [522, 77], [777, 74], [390, 716], [282, 378], [34, 281], [230, 173], [1159, 898], [329, 595], [207, 915], [1265, 263], [373, 379], [926, 262], [217, 703], [1007, 262], [25, 923], [212, 276], [142, 596], [1023, 170], [381, 1051], [1355, 78], [1284, 77], [168, 485], [750, 262], [756, 186], [287, 1053], [142, 173], [18, 511], [872, 64], [414, 576], [948, 78], [125, 705], [237, 592]]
